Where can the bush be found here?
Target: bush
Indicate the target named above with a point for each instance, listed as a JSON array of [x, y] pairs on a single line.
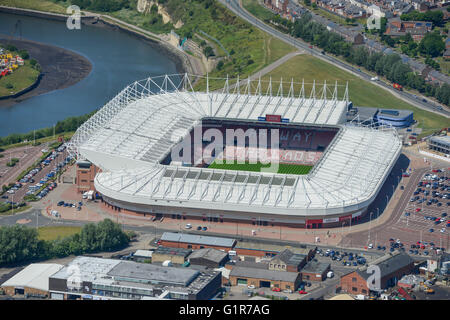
[[208, 51], [24, 54], [21, 244], [9, 85]]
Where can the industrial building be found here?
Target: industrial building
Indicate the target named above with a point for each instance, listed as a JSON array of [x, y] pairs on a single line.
[[175, 255], [315, 271], [32, 280], [269, 249], [208, 257], [142, 255], [439, 143], [96, 278], [288, 261], [131, 152], [191, 241], [393, 266], [262, 278]]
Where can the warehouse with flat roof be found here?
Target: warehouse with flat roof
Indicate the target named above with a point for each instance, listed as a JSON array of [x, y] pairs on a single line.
[[97, 278], [209, 257], [192, 241], [31, 281]]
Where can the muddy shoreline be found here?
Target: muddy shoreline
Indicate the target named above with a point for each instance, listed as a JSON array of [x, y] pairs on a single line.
[[61, 68], [70, 68]]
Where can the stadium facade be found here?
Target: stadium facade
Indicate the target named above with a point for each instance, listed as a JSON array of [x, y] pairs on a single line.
[[131, 137]]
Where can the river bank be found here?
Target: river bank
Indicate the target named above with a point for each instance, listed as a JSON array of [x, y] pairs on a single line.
[[60, 68], [184, 63]]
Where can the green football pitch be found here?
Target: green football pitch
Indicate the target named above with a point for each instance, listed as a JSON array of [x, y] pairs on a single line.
[[283, 168]]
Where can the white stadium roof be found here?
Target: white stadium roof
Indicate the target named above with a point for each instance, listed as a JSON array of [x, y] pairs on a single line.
[[130, 135]]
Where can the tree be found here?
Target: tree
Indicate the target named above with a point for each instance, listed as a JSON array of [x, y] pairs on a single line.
[[208, 51], [24, 54], [154, 9], [432, 44]]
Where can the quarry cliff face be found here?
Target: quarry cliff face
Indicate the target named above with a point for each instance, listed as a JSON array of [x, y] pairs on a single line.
[[143, 6]]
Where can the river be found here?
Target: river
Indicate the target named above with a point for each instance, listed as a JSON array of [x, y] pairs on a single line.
[[117, 59]]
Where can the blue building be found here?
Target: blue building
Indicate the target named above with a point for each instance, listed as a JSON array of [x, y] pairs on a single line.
[[395, 118]]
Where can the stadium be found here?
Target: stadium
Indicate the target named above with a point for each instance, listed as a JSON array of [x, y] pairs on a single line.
[[328, 171]]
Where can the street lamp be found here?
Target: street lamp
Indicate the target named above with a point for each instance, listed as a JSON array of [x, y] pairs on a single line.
[[370, 226]]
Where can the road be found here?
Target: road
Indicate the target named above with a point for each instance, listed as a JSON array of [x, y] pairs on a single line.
[[235, 7]]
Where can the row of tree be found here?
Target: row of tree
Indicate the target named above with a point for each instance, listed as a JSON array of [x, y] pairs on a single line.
[[66, 125], [390, 66], [102, 5], [20, 244]]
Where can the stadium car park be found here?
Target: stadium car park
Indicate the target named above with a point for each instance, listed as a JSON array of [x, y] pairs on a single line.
[[424, 217], [36, 178]]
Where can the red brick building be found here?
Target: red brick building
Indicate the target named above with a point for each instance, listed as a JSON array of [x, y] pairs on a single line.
[[287, 261], [86, 172], [315, 271], [392, 268], [262, 278]]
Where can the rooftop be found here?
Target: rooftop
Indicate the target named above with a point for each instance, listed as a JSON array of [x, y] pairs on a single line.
[[196, 239], [34, 276], [315, 267], [143, 253], [86, 268], [264, 274], [172, 251], [252, 245], [441, 139], [209, 254], [290, 258], [388, 263], [150, 273]]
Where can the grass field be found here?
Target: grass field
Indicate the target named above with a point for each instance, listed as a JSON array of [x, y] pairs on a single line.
[[53, 233], [21, 78], [361, 93], [256, 167], [257, 10], [41, 5]]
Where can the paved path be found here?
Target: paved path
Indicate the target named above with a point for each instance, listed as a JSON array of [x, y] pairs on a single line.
[[267, 69]]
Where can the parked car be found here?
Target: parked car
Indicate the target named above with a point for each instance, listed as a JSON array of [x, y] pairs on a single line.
[[302, 292]]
